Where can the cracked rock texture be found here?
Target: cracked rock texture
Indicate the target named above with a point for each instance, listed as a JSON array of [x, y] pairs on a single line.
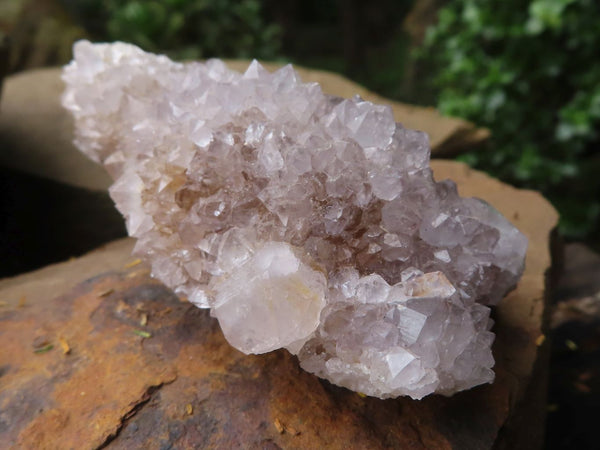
[[184, 386]]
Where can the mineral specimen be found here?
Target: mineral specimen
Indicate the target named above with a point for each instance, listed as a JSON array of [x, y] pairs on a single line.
[[301, 220]]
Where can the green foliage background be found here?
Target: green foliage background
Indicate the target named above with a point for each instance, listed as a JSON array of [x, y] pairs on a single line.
[[184, 29], [530, 71]]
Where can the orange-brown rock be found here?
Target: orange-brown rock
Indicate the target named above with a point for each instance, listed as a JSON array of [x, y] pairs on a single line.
[[95, 354]]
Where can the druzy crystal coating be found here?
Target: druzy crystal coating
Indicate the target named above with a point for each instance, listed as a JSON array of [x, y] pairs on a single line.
[[303, 221]]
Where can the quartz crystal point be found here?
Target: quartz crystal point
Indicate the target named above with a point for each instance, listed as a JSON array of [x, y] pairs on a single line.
[[301, 220]]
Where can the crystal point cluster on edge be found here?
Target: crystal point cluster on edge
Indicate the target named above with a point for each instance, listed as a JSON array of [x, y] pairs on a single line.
[[303, 221]]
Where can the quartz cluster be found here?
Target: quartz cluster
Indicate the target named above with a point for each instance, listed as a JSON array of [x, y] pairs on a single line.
[[303, 221]]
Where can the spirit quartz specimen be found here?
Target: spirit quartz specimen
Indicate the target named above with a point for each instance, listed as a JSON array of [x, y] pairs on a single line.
[[302, 220]]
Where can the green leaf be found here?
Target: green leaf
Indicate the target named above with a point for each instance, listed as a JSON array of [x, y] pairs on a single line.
[[142, 333], [44, 349]]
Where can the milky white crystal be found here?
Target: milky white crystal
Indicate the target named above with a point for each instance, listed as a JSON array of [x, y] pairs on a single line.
[[302, 220]]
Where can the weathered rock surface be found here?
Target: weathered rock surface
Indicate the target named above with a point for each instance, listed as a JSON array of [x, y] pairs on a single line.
[[183, 385]]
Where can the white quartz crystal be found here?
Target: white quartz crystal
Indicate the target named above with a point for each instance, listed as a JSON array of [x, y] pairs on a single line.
[[302, 220]]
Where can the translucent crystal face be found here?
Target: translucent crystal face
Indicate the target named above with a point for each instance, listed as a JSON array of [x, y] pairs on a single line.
[[303, 221]]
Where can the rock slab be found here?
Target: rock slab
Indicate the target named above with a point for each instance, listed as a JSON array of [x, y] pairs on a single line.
[[98, 354]]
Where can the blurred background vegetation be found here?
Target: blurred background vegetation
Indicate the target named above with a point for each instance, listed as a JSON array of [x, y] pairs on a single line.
[[526, 69]]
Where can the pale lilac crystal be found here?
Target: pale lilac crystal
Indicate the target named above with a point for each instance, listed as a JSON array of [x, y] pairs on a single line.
[[303, 221]]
